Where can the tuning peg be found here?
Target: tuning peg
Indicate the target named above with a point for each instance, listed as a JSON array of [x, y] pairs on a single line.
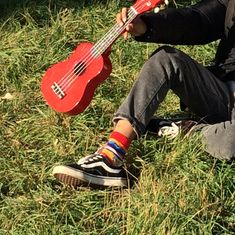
[[161, 6], [156, 9]]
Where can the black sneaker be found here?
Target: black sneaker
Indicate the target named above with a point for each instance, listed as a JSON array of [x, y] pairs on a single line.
[[93, 170], [171, 127]]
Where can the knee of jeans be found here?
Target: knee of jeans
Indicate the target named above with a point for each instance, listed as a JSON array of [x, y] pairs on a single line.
[[166, 57], [165, 52]]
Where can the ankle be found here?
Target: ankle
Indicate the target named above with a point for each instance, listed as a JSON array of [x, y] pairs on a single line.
[[125, 128], [115, 148]]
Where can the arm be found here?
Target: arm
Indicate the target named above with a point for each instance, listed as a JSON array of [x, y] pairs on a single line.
[[197, 24]]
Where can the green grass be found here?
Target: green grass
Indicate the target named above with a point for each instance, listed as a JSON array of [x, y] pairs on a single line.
[[180, 189]]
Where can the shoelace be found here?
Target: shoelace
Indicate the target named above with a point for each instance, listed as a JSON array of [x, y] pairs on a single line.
[[90, 158], [169, 131]]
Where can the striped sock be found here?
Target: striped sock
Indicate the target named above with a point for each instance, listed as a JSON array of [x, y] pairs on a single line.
[[115, 148]]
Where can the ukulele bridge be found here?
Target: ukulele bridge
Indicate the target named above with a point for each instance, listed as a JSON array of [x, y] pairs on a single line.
[[58, 90]]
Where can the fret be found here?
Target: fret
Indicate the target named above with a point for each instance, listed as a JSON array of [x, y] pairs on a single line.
[[109, 38]]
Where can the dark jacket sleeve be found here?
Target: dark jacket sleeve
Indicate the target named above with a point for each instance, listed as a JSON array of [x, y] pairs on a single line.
[[198, 24]]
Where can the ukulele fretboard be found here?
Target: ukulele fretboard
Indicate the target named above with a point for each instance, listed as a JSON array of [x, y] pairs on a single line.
[[109, 38]]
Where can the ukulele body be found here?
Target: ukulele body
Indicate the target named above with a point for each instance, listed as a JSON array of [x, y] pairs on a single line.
[[69, 86]]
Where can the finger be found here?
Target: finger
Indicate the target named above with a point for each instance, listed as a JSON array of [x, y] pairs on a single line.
[[119, 19], [125, 35], [129, 27], [124, 14]]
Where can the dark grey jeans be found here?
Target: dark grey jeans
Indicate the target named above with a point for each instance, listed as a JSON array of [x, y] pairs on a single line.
[[168, 68]]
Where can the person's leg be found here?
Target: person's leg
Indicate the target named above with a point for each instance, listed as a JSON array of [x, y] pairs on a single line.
[[219, 140], [166, 69]]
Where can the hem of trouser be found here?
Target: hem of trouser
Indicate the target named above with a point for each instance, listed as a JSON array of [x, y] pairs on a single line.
[[134, 124]]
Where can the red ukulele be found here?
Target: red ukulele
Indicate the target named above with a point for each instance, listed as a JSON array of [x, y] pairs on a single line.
[[69, 86]]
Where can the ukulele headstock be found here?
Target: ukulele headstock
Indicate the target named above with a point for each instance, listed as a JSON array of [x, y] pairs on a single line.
[[141, 6]]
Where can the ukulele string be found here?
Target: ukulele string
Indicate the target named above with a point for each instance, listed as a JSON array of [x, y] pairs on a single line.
[[88, 59], [82, 68], [110, 37], [67, 77], [67, 80]]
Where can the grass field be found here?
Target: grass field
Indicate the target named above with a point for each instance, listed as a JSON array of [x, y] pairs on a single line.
[[180, 189]]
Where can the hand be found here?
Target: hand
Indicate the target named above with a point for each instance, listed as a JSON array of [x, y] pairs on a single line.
[[136, 28]]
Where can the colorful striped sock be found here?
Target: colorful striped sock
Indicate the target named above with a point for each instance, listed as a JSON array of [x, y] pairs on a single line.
[[115, 148]]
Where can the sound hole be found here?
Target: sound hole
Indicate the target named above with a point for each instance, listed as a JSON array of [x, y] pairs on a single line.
[[79, 68]]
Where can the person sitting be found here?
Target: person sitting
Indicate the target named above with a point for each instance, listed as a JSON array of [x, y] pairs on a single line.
[[208, 92]]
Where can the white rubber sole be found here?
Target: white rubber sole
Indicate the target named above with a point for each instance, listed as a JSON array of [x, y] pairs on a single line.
[[75, 177]]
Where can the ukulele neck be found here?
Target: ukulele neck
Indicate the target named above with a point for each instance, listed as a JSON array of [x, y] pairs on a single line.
[[110, 37]]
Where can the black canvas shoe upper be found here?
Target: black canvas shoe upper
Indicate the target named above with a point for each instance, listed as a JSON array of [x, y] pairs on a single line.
[[97, 164]]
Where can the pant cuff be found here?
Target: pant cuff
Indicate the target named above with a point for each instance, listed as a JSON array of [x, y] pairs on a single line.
[[138, 128]]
